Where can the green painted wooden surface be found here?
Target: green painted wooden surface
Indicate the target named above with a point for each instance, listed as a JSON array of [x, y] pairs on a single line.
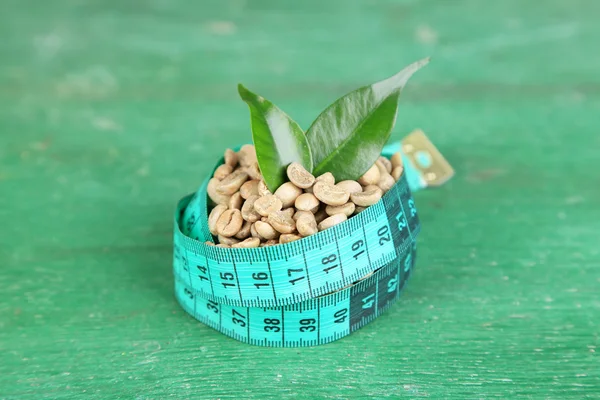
[[112, 110]]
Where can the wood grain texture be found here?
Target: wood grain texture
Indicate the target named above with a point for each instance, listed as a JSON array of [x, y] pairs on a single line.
[[112, 110]]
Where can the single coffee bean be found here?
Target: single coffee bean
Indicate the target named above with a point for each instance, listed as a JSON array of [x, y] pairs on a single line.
[[263, 190], [208, 243], [249, 188], [248, 243], [281, 222], [265, 230], [253, 171], [327, 177], [289, 211], [386, 163], [246, 155], [306, 224], [232, 182], [350, 186], [271, 242], [288, 193], [386, 182], [382, 170], [231, 158], [346, 209], [227, 240], [236, 201], [299, 176], [320, 215], [396, 160], [307, 201], [214, 216], [367, 198], [248, 211], [332, 221], [397, 172], [298, 214], [253, 231], [371, 177], [359, 209], [330, 194], [222, 171], [370, 187], [288, 237], [244, 231], [229, 223], [215, 196], [268, 204]]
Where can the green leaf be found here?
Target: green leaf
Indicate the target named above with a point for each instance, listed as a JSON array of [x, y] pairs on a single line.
[[348, 136], [278, 139]]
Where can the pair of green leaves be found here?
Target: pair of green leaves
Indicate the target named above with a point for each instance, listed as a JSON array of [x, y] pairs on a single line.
[[346, 138]]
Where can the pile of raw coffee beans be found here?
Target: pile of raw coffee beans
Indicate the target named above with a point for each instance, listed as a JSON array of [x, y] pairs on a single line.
[[248, 215]]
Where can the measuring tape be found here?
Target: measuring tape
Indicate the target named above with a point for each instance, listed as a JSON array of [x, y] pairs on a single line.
[[311, 291]]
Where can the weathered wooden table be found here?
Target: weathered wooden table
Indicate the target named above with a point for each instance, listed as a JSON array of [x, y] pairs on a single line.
[[112, 110]]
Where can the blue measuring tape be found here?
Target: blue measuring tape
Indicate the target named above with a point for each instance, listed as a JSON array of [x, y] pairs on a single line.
[[308, 292]]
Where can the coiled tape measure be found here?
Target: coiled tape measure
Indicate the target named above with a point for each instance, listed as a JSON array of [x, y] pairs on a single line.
[[314, 290]]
